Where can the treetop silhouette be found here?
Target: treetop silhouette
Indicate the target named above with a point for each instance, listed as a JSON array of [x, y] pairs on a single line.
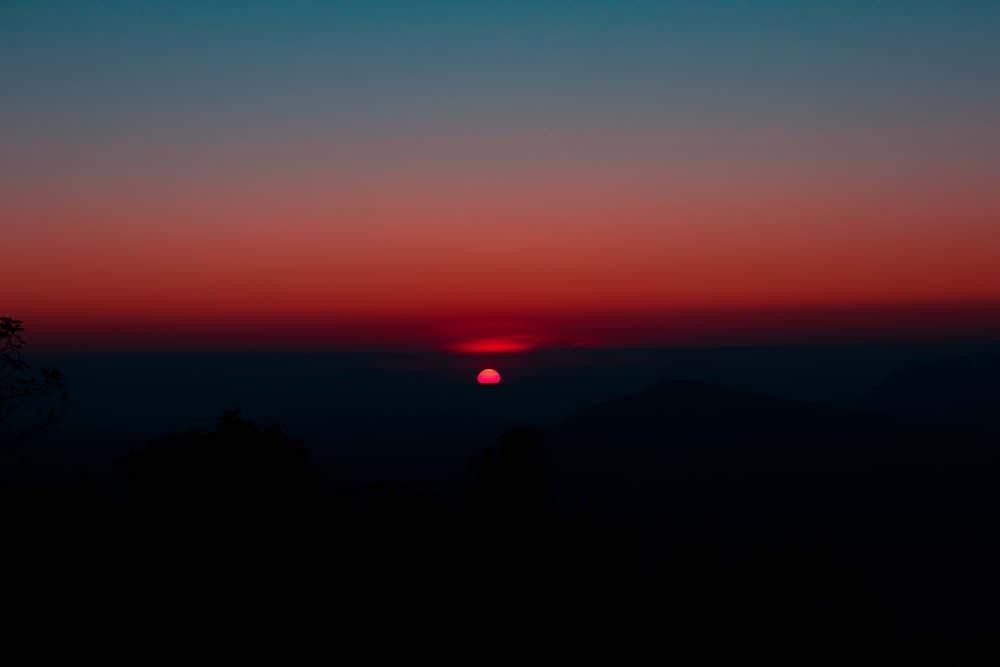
[[237, 462]]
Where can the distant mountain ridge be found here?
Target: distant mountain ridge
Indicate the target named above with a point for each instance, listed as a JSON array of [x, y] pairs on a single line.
[[757, 464], [964, 390], [679, 414]]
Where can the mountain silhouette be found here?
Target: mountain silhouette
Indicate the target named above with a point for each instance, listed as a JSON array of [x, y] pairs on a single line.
[[757, 465], [964, 390], [697, 420]]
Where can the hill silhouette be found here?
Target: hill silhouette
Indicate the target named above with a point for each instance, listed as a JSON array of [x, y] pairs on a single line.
[[963, 390], [910, 501], [687, 449]]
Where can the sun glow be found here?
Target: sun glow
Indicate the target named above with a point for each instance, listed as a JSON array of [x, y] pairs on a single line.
[[493, 345]]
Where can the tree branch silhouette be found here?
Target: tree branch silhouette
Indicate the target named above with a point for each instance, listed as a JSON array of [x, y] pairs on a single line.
[[30, 399]]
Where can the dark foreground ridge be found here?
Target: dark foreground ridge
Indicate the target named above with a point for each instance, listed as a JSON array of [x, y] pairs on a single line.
[[688, 517]]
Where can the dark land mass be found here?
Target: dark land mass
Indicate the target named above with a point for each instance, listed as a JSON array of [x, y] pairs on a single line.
[[915, 502], [699, 513], [959, 391]]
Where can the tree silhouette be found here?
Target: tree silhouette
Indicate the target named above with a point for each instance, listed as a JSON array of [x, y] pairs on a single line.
[[30, 399], [238, 464], [512, 485]]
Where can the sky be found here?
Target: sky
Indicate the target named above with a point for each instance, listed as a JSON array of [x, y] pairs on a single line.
[[498, 175]]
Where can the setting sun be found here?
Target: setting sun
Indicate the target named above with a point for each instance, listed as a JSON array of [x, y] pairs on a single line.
[[488, 376]]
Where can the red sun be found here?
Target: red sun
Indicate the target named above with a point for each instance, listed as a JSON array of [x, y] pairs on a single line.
[[488, 376]]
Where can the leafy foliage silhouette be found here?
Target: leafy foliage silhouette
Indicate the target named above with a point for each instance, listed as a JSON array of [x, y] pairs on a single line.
[[512, 486], [239, 467], [30, 399]]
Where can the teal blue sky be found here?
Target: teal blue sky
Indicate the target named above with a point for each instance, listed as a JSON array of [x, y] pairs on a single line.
[[283, 68]]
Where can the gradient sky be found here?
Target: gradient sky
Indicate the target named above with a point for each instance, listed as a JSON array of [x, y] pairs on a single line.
[[434, 173]]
